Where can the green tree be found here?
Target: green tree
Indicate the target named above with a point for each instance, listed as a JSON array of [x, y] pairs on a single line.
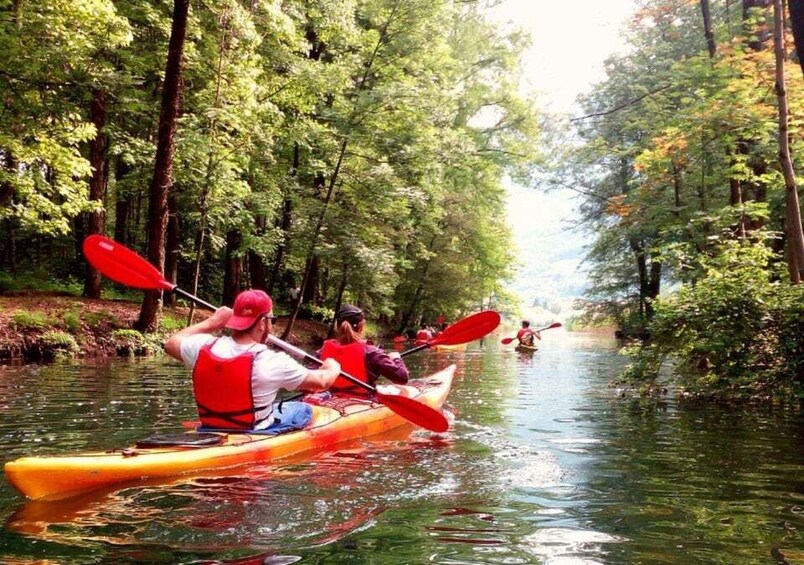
[[163, 165], [54, 64]]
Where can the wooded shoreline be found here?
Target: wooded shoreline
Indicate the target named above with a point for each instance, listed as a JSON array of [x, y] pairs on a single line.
[[38, 327]]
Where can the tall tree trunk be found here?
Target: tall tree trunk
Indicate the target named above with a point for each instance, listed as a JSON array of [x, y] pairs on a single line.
[[122, 205], [282, 248], [708, 34], [7, 190], [796, 9], [753, 189], [172, 246], [795, 235], [284, 225], [417, 294], [735, 185], [199, 251], [9, 163], [96, 221], [11, 246], [233, 271], [163, 166], [361, 84], [761, 34], [678, 183], [310, 294], [316, 232], [339, 296], [638, 248], [653, 287], [256, 266]]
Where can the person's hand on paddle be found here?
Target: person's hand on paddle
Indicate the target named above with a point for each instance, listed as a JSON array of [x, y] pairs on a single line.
[[322, 378], [219, 318], [215, 322], [331, 365]]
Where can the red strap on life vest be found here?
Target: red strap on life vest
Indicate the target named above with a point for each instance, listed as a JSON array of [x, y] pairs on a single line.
[[352, 358], [222, 388]]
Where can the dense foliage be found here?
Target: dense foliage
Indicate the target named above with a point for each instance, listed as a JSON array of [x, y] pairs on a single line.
[[736, 333], [355, 149], [679, 165]]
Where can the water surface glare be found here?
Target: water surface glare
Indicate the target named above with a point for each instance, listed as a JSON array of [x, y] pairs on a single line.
[[544, 464]]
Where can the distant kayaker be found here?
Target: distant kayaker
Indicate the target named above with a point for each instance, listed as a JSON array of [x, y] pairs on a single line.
[[424, 334], [526, 335], [236, 378], [357, 357]]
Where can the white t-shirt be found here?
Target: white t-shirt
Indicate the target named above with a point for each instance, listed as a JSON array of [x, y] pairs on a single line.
[[271, 371]]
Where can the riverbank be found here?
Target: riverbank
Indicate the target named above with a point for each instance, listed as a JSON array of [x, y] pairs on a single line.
[[41, 327]]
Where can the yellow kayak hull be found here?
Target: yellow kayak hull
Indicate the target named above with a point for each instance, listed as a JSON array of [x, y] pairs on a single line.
[[56, 477]]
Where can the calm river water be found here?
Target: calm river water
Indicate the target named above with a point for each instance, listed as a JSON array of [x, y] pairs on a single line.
[[544, 464]]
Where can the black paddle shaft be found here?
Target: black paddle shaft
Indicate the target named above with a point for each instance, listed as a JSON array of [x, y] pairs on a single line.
[[194, 298]]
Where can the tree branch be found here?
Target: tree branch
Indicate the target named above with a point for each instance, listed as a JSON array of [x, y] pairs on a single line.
[[621, 106]]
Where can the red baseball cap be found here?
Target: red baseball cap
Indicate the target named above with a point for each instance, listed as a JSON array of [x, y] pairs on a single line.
[[249, 305]]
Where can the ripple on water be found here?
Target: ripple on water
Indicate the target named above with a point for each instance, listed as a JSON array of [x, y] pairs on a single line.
[[566, 545], [537, 470]]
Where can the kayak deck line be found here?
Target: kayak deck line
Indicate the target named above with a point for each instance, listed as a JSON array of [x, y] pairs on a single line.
[[64, 476]]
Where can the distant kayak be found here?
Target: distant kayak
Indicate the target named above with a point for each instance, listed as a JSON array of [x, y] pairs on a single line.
[[336, 421], [526, 348]]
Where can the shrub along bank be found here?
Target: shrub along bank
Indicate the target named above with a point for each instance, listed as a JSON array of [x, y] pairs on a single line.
[[42, 327]]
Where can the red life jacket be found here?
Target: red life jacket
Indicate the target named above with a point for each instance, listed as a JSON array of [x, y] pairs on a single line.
[[352, 358], [525, 336], [222, 388]]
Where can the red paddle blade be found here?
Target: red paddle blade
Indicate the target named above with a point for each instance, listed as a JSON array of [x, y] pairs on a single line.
[[122, 265], [507, 340], [416, 412], [551, 326], [469, 329]]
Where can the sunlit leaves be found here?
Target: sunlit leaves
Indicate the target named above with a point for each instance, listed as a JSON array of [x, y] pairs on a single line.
[[54, 52]]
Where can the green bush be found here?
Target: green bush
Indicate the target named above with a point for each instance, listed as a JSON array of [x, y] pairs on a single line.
[[72, 321], [55, 343], [102, 316], [736, 333], [35, 319], [131, 342], [319, 313], [169, 324]]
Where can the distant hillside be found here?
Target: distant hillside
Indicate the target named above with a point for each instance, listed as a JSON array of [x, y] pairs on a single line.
[[550, 253]]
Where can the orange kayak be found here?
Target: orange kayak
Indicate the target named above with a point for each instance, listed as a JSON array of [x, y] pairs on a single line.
[[56, 477]]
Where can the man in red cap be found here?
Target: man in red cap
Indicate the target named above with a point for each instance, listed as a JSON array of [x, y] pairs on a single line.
[[236, 378]]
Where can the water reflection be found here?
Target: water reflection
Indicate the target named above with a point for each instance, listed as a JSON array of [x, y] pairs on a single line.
[[544, 464]]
